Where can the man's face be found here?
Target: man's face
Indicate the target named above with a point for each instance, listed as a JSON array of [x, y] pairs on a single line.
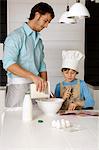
[[42, 21]]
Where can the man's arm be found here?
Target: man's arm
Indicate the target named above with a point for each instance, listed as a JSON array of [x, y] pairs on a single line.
[[19, 71]]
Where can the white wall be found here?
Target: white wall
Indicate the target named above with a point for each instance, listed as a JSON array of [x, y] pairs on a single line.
[[56, 37]]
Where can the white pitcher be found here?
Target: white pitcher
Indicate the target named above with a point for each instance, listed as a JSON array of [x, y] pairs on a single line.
[[27, 112], [36, 94]]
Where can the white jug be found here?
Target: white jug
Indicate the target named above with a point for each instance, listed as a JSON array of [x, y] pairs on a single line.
[[36, 94], [27, 108]]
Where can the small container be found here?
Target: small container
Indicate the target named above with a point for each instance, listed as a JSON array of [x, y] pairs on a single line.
[[27, 111]]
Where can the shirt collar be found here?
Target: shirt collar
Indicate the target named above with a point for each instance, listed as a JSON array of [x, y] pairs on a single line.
[[29, 31]]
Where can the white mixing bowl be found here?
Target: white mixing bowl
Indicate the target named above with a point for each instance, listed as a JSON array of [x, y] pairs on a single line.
[[50, 106]]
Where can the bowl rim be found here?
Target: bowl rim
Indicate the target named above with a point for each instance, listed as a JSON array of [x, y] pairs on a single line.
[[43, 100]]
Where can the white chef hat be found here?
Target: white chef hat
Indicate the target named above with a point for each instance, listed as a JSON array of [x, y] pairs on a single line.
[[70, 59]]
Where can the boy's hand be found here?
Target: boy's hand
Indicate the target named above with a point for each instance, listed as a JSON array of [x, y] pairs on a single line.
[[72, 106], [67, 93]]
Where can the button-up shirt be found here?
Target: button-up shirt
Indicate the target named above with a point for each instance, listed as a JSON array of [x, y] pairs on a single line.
[[25, 48]]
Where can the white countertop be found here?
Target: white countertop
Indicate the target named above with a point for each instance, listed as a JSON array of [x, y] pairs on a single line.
[[2, 87], [18, 135]]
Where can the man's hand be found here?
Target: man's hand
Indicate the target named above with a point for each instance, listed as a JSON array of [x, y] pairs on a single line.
[[41, 84]]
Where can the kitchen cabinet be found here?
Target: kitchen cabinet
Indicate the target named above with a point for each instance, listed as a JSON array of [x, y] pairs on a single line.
[[96, 97], [2, 96], [95, 93], [92, 44], [3, 76], [3, 20]]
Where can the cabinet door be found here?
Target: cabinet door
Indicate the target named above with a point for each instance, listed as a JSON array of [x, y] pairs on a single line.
[[2, 98], [3, 20]]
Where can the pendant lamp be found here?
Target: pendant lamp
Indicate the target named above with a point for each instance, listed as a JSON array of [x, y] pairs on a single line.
[[78, 10], [64, 18]]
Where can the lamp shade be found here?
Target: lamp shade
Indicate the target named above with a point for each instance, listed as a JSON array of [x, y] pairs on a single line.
[[64, 18], [78, 10]]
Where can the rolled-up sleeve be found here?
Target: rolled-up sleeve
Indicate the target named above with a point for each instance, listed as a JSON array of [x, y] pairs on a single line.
[[42, 65], [11, 51]]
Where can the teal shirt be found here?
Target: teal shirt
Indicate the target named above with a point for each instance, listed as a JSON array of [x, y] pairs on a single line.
[[85, 93], [25, 48]]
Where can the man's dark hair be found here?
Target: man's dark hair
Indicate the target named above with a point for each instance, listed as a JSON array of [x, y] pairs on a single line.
[[42, 8]]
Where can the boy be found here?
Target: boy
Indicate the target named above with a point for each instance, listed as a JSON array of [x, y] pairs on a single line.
[[75, 92]]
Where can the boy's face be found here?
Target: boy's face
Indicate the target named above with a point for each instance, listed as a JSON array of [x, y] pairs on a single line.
[[69, 75], [42, 21]]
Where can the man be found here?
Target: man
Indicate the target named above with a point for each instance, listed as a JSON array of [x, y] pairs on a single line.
[[24, 57]]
